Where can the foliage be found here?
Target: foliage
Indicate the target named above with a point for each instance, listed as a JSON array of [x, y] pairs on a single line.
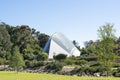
[[90, 57], [77, 70], [89, 70], [69, 61], [84, 69], [106, 31], [105, 50], [5, 43], [42, 56], [43, 38], [94, 64], [2, 61], [29, 41], [76, 44], [116, 72], [90, 47], [34, 63], [17, 61], [80, 62], [60, 57], [53, 66]]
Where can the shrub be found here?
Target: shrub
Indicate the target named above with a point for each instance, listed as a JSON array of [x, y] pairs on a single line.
[[94, 64], [60, 57], [116, 65], [2, 61], [101, 69], [29, 64], [53, 66], [41, 63], [69, 62], [34, 63], [77, 70], [80, 62], [42, 56], [90, 70], [29, 56], [116, 72]]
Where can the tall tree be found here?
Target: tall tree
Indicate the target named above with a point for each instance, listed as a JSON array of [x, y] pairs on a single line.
[[105, 49], [17, 61], [106, 31], [21, 36], [89, 47], [5, 43], [117, 50]]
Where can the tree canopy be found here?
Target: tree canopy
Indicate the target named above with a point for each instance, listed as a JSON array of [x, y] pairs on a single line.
[[29, 41]]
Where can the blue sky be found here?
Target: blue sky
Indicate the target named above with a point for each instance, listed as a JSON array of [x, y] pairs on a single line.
[[77, 19]]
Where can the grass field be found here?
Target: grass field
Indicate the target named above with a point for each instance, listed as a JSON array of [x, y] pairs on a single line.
[[33, 76]]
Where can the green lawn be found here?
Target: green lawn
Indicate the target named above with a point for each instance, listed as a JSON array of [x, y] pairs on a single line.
[[33, 76]]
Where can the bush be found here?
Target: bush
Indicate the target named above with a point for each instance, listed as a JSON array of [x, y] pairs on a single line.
[[80, 62], [53, 66], [101, 69], [42, 56], [28, 56], [116, 65], [94, 64], [41, 63], [88, 70], [77, 70], [2, 61], [60, 57], [34, 63], [29, 64], [90, 58], [69, 62], [116, 72]]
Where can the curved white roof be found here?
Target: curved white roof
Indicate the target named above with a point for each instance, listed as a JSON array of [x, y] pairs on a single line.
[[59, 43]]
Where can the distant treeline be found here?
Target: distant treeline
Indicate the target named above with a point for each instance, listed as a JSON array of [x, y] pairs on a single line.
[[28, 41]]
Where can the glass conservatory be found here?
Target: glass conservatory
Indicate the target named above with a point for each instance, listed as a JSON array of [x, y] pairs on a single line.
[[59, 43]]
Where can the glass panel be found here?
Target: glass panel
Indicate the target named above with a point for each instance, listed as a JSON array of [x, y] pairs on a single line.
[[63, 41]]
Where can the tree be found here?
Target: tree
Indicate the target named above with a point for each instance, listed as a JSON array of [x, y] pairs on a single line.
[[17, 61], [106, 31], [117, 50], [89, 47], [105, 49], [76, 44], [60, 57], [88, 43], [43, 38], [5, 43]]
